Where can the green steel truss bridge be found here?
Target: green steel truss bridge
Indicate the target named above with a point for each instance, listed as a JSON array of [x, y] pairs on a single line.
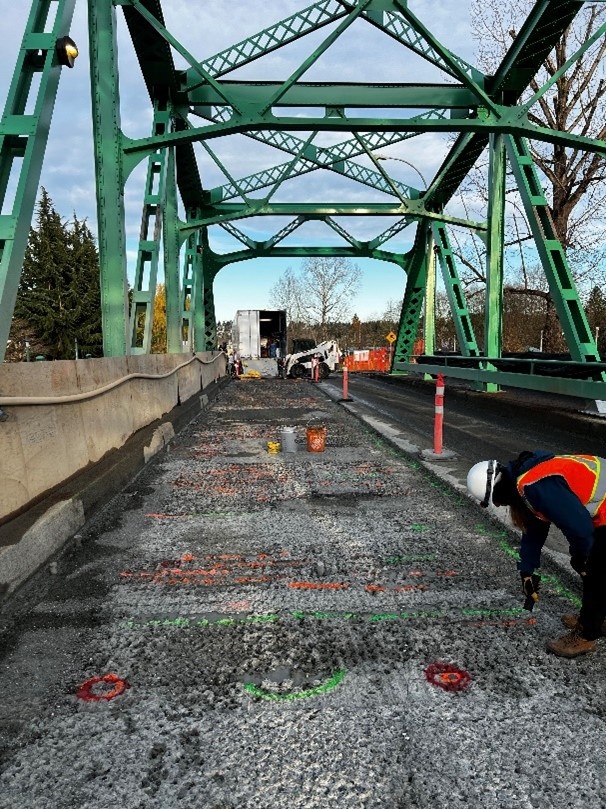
[[203, 102]]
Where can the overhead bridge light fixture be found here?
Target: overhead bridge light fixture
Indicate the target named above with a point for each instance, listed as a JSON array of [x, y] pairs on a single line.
[[67, 51]]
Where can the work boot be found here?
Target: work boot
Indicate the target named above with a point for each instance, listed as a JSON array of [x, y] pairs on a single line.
[[571, 645], [571, 621]]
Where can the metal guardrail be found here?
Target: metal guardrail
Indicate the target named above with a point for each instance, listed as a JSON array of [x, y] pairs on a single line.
[[565, 377]]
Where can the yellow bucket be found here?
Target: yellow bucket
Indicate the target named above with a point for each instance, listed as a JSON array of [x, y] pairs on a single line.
[[273, 447]]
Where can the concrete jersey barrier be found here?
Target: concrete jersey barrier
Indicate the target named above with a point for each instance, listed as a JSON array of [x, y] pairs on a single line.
[[65, 415]]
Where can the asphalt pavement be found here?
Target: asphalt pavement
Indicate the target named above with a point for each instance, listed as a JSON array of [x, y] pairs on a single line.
[[246, 628]]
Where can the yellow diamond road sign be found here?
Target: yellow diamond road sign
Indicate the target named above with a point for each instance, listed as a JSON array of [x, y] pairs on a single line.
[[391, 337]]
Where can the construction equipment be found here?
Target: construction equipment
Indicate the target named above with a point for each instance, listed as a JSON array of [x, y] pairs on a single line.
[[299, 364]]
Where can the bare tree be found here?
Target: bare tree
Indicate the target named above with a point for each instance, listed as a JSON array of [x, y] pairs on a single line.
[[573, 178], [286, 294], [321, 294]]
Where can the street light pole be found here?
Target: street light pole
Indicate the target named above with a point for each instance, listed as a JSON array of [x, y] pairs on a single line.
[[401, 160], [430, 286]]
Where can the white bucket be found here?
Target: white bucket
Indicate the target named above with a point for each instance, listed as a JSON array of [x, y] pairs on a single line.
[[287, 439]]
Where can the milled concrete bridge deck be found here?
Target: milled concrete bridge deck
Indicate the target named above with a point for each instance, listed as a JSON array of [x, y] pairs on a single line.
[[293, 630]]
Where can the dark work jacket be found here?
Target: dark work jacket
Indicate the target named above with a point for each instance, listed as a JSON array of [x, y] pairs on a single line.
[[553, 498]]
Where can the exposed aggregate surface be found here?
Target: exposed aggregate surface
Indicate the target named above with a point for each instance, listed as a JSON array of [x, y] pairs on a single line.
[[273, 619]]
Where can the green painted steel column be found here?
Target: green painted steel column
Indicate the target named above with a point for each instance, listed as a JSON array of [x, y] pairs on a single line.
[[202, 289], [191, 261], [210, 322], [148, 254], [172, 248], [493, 312], [429, 314], [468, 346], [25, 136], [413, 298], [553, 257], [108, 142]]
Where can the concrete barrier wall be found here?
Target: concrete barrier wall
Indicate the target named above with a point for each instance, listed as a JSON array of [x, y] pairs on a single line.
[[42, 445]]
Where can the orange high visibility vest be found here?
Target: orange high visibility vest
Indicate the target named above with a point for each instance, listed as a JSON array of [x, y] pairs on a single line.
[[584, 474]]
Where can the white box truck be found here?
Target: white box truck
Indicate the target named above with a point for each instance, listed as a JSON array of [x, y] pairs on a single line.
[[255, 332]]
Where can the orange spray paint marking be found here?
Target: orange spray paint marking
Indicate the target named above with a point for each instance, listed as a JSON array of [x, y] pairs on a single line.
[[238, 606], [87, 694], [447, 676]]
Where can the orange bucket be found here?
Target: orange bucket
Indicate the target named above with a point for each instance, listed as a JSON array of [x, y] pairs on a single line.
[[316, 439]]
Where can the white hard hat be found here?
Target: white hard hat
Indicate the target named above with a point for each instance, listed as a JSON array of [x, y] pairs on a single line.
[[481, 480]]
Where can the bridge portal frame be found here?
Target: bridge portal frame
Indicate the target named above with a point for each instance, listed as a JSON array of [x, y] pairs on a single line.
[[486, 112]]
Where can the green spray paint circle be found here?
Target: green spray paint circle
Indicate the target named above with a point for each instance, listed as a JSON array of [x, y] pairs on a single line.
[[333, 682]]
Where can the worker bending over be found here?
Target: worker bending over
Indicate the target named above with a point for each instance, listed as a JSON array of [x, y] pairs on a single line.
[[570, 492]]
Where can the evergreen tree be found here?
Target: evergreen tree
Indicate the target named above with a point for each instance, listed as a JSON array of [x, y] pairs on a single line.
[[59, 300]]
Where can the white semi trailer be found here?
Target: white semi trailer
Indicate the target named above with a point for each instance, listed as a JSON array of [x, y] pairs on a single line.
[[255, 330]]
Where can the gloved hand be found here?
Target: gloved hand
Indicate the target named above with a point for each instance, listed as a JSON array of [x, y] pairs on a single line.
[[579, 563], [530, 587]]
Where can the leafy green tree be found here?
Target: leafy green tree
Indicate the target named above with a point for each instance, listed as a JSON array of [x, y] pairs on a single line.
[[59, 301]]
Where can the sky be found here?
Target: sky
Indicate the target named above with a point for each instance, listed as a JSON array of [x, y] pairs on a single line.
[[363, 54]]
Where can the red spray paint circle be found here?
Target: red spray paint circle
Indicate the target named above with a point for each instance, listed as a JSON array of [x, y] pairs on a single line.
[[447, 676], [86, 692]]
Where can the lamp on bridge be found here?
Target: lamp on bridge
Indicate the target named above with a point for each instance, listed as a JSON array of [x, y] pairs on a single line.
[[66, 50]]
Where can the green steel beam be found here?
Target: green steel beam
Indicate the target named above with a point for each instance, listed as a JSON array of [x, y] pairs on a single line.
[[414, 295], [162, 82], [538, 36], [237, 234], [414, 209], [429, 310], [288, 30], [192, 268], [224, 259], [354, 12], [148, 254], [334, 158], [464, 330], [391, 232], [395, 19], [206, 331], [283, 233], [254, 95], [582, 388], [493, 308], [553, 256], [108, 143], [540, 33], [23, 137], [202, 266], [172, 248], [473, 83]]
